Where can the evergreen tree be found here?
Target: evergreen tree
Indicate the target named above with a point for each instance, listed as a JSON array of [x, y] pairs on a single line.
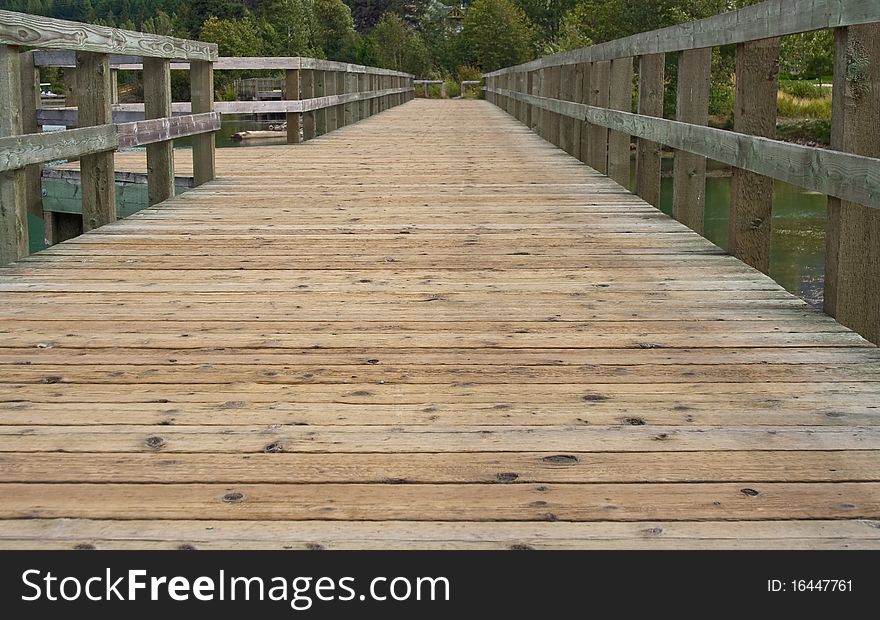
[[497, 34]]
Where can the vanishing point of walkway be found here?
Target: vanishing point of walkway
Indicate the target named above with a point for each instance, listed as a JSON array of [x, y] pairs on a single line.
[[431, 329]]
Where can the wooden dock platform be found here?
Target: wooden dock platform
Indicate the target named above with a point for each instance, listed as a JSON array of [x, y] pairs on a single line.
[[431, 329]]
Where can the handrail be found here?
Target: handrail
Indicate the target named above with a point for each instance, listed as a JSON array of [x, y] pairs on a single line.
[[47, 32], [64, 58], [774, 18], [582, 102], [322, 96]]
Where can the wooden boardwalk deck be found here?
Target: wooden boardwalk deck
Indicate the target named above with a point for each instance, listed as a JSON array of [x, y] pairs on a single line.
[[431, 329]]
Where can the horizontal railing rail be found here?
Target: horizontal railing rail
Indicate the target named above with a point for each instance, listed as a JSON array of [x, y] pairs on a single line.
[[582, 101], [321, 96]]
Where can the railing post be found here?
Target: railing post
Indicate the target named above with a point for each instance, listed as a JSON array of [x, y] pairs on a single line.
[[157, 104], [30, 103], [373, 85], [551, 119], [307, 90], [350, 87], [201, 76], [294, 119], [585, 129], [330, 89], [751, 195], [649, 154], [68, 76], [852, 256], [364, 104], [529, 88], [13, 187], [539, 113], [341, 89], [97, 171], [566, 124], [320, 91], [689, 176], [600, 78], [620, 98]]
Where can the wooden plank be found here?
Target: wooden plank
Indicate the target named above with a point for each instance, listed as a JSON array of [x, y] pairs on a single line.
[[30, 100], [98, 180], [852, 268], [584, 71], [20, 151], [689, 174], [293, 85], [751, 195], [45, 32], [566, 124], [774, 18], [652, 84], [131, 135], [620, 98], [201, 85], [139, 534], [457, 468], [506, 330], [157, 105], [552, 83], [329, 91], [364, 111], [453, 502], [13, 183], [320, 115], [600, 84], [307, 91]]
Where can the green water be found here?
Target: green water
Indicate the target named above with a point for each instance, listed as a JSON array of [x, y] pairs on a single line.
[[797, 251]]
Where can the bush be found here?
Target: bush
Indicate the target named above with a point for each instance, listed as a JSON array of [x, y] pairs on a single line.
[[453, 89], [804, 130], [802, 89]]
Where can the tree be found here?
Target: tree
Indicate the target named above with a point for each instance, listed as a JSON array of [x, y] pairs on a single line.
[[547, 15], [394, 46], [293, 22], [497, 34], [234, 37], [334, 29]]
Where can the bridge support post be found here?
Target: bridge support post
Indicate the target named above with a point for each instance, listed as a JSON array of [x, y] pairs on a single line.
[[852, 256], [649, 154], [330, 89], [294, 119], [620, 98], [363, 87], [689, 176], [307, 91], [583, 96], [320, 91], [97, 171], [551, 120], [751, 194], [350, 87], [201, 76], [566, 92], [600, 77], [157, 104], [341, 89], [13, 184], [30, 103]]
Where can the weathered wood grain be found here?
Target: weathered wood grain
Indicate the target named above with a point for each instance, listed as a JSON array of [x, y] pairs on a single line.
[[45, 32], [652, 85], [476, 314], [13, 183], [202, 98], [774, 18]]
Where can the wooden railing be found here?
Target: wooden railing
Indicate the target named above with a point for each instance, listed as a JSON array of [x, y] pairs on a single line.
[[582, 102], [321, 95], [23, 148]]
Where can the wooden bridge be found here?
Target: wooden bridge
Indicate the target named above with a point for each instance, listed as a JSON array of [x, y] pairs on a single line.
[[431, 328]]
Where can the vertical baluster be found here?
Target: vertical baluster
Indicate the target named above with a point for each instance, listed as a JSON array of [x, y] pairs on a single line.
[[97, 171], [620, 98], [649, 154], [689, 175]]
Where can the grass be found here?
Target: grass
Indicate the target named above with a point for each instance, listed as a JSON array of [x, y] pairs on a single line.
[[791, 106]]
